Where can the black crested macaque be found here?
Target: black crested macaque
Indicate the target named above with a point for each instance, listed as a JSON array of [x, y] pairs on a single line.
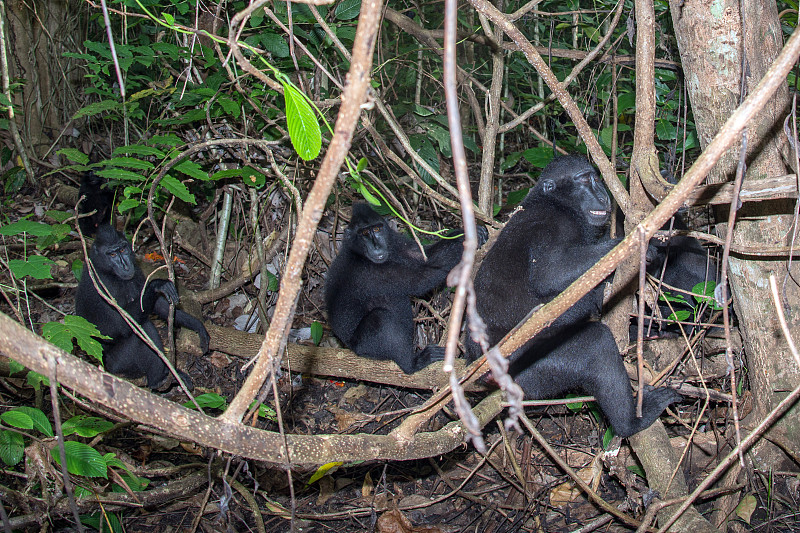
[[371, 281], [126, 354], [96, 198], [561, 231]]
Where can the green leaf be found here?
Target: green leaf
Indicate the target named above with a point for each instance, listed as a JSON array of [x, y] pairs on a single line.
[[58, 232], [665, 130], [77, 268], [209, 400], [190, 168], [82, 460], [422, 111], [667, 296], [511, 160], [626, 101], [607, 436], [36, 266], [169, 19], [368, 196], [679, 316], [442, 138], [114, 173], [86, 426], [273, 282], [58, 216], [253, 178], [134, 482], [515, 197], [17, 419], [98, 107], [37, 380], [139, 149], [128, 204], [74, 155], [362, 164], [423, 146], [636, 469], [265, 411], [178, 189], [230, 105], [14, 367], [316, 332], [539, 156], [129, 162], [12, 447], [101, 521], [707, 290], [40, 421], [324, 470], [275, 45], [78, 328], [302, 124], [169, 139], [347, 9], [30, 227]]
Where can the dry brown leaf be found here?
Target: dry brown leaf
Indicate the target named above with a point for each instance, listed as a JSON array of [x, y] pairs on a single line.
[[396, 522], [567, 492]]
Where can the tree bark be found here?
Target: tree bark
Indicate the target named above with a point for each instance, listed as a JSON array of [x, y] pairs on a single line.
[[715, 39], [38, 33]]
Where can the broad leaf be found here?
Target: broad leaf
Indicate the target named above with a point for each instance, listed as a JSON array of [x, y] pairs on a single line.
[[302, 124]]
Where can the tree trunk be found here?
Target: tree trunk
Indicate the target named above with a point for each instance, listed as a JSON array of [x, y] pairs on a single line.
[[38, 34], [712, 45]]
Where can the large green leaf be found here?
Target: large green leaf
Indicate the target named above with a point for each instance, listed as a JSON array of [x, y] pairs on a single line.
[[129, 162], [86, 426], [347, 9], [82, 460], [26, 226], [98, 107], [36, 266], [178, 189], [12, 447], [139, 149], [78, 328], [302, 124], [39, 419], [75, 155]]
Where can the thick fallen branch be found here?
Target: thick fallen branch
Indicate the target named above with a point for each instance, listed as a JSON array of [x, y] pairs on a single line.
[[147, 408], [331, 362]]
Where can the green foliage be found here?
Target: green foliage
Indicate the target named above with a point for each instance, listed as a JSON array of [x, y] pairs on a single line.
[[316, 332], [35, 266], [12, 447], [702, 298], [82, 460], [212, 400], [303, 126], [12, 444], [79, 329], [86, 426]]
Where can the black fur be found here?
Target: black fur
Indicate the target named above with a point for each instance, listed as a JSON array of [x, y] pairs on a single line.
[[96, 198], [126, 354], [561, 231], [371, 281]]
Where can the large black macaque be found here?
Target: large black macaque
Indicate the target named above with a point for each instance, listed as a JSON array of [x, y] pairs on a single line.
[[126, 354], [96, 198], [371, 281], [561, 231]]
